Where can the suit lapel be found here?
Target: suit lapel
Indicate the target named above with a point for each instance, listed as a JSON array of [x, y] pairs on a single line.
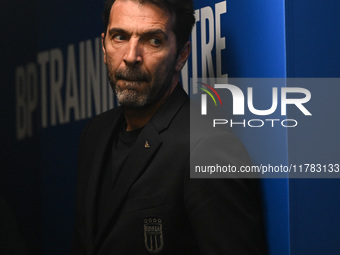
[[145, 148], [102, 151], [147, 143]]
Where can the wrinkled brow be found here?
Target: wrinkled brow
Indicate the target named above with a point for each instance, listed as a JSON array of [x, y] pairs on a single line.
[[146, 33]]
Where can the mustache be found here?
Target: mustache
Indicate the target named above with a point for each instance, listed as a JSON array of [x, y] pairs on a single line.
[[132, 74]]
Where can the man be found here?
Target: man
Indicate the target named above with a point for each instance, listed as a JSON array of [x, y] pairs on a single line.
[[134, 194]]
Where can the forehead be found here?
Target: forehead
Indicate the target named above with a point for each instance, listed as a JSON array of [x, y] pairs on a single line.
[[129, 14]]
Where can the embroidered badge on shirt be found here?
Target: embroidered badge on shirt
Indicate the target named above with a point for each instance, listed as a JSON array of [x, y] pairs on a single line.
[[153, 235]]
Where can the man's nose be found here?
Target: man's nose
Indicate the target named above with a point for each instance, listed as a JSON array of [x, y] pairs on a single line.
[[133, 54]]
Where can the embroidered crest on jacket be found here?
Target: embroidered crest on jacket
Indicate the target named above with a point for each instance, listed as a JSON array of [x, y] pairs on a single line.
[[153, 235]]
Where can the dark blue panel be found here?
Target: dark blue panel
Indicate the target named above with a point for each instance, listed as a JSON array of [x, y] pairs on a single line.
[[255, 38], [315, 225], [313, 39]]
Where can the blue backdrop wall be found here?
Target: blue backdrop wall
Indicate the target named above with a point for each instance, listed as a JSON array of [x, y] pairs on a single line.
[[53, 81], [313, 40]]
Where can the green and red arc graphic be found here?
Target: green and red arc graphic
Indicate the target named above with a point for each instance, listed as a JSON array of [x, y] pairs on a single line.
[[209, 93]]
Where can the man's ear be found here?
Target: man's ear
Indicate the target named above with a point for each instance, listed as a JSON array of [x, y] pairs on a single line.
[[103, 47], [183, 56]]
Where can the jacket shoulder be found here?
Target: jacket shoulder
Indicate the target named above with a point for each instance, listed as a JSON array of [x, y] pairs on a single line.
[[98, 126], [103, 120]]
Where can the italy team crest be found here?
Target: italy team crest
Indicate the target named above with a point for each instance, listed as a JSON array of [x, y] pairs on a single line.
[[153, 235]]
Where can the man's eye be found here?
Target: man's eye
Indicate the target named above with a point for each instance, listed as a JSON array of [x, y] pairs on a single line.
[[119, 38], [155, 42]]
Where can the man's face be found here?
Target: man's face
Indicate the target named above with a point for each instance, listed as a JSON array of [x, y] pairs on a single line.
[[140, 53]]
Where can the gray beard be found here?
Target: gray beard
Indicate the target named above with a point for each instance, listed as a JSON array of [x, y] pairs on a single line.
[[131, 98]]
